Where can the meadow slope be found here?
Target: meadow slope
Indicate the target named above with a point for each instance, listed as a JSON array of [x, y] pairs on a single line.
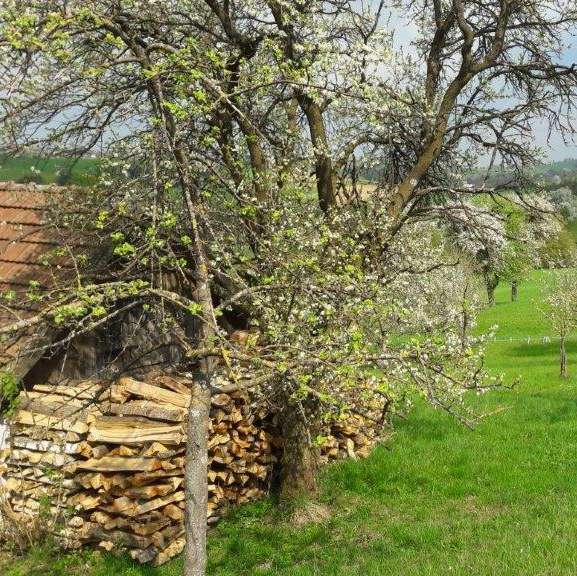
[[81, 172]]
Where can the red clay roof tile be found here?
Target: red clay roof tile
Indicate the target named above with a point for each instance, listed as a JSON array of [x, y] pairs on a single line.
[[25, 238]]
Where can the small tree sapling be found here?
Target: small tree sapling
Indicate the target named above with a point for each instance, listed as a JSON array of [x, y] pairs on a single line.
[[560, 309]]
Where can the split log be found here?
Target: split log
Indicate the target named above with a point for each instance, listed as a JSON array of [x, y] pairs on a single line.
[[149, 410], [154, 393], [171, 383], [171, 551], [120, 430], [42, 458], [53, 422], [85, 390], [95, 533], [119, 464]]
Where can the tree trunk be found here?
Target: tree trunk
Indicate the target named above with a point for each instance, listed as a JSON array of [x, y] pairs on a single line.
[[514, 290], [465, 316], [491, 295], [258, 164], [300, 459], [491, 282], [465, 329], [324, 170], [563, 358], [195, 479]]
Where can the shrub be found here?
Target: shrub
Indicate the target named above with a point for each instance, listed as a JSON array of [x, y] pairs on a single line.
[[9, 388]]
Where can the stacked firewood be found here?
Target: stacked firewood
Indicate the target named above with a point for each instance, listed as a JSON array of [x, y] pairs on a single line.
[[48, 433], [115, 456], [109, 459], [4, 451], [353, 437], [133, 486]]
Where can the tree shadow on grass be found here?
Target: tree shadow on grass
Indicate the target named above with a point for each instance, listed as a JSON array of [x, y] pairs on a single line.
[[536, 348], [124, 565]]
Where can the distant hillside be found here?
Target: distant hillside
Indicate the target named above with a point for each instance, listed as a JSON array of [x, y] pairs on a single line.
[[561, 173], [569, 165], [61, 171], [552, 175]]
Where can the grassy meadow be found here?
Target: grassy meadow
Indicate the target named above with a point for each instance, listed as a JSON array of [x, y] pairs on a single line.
[[437, 499], [572, 227]]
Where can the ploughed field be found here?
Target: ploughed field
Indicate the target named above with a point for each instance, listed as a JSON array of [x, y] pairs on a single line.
[[438, 499]]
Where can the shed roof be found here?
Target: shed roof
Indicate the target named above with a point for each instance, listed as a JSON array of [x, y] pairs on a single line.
[[26, 238]]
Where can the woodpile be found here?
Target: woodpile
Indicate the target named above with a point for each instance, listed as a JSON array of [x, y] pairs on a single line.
[[48, 433], [4, 451], [353, 437], [115, 455], [108, 459]]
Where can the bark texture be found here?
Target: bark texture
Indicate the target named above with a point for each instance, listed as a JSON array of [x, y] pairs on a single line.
[[195, 480], [300, 459], [324, 170]]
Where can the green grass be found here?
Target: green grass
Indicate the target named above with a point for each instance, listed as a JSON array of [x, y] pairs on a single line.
[[48, 170], [572, 227], [517, 319], [437, 500]]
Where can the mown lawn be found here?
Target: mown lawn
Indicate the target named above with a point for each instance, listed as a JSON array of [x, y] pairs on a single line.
[[437, 500]]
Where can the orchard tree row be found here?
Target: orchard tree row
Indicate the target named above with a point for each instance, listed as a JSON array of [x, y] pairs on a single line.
[[249, 122]]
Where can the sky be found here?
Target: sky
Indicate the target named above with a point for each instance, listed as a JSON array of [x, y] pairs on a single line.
[[554, 148]]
